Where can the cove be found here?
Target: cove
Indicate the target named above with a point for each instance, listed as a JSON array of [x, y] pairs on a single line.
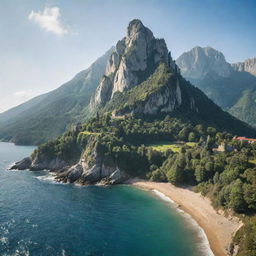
[[41, 217]]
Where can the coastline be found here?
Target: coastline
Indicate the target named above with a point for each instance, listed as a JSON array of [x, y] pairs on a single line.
[[218, 229]]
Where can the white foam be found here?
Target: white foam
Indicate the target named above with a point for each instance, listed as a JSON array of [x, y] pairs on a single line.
[[204, 245], [4, 240], [49, 177]]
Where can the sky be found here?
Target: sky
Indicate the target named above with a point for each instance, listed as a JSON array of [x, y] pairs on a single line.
[[44, 43]]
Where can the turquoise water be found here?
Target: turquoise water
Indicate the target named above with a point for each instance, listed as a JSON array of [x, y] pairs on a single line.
[[39, 217]]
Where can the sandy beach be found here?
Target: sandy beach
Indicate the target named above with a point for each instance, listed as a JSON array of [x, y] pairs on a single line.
[[218, 228]]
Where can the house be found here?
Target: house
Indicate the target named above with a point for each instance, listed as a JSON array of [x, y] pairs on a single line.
[[249, 140], [223, 147]]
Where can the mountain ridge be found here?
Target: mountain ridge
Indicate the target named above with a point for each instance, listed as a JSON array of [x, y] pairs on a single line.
[[47, 116], [249, 65]]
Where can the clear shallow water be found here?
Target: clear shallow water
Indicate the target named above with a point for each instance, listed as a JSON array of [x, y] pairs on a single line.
[[39, 217]]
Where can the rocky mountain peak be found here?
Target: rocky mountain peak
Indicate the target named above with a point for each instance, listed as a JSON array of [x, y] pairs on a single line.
[[249, 65], [134, 59], [201, 61], [135, 27]]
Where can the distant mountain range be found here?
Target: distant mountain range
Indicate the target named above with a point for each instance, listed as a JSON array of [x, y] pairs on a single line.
[[231, 86], [248, 65]]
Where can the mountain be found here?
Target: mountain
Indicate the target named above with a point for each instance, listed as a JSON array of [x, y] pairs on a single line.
[[142, 98], [248, 65], [142, 79], [220, 81], [199, 62], [47, 116], [135, 58], [151, 123]]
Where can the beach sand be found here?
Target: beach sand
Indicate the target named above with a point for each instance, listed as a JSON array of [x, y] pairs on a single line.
[[218, 228]]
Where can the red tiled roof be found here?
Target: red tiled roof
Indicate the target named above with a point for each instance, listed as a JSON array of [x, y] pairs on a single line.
[[244, 138]]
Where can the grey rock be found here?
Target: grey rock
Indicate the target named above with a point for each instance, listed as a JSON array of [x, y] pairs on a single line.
[[22, 165], [135, 57], [74, 173], [248, 65], [118, 177], [45, 164]]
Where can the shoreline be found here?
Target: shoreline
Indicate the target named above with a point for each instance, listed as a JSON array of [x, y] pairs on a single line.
[[218, 229]]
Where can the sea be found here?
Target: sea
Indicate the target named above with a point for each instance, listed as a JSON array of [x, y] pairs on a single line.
[[40, 217]]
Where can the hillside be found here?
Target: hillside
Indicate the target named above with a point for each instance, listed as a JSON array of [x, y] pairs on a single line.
[[245, 107], [47, 116]]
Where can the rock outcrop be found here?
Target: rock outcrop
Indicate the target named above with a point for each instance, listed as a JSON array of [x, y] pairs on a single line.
[[80, 172], [248, 65], [23, 164], [39, 164], [134, 59]]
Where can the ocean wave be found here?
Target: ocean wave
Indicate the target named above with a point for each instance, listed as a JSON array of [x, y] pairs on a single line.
[[204, 245], [48, 177]]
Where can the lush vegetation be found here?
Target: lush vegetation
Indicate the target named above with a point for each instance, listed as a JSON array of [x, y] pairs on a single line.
[[245, 107], [140, 148], [176, 148]]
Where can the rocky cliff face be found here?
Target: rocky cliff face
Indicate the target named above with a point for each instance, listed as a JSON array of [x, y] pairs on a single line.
[[99, 172], [198, 62], [135, 58], [248, 65], [81, 172]]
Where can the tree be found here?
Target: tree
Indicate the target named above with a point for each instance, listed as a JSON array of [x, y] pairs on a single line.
[[192, 137], [237, 202]]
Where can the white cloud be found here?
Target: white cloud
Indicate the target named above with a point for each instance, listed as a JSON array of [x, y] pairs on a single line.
[[24, 95], [49, 20]]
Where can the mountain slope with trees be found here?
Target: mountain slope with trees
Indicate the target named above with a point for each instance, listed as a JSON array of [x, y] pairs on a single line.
[[47, 116]]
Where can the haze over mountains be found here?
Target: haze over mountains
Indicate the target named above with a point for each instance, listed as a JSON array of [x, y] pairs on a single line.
[[136, 61]]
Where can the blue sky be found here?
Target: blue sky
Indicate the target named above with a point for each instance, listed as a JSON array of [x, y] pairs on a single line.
[[44, 43]]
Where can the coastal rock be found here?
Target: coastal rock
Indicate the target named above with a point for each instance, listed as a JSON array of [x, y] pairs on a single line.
[[39, 164], [22, 165], [74, 173], [118, 176], [135, 57], [83, 174], [45, 164]]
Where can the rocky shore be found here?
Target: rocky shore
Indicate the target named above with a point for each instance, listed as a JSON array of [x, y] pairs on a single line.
[[81, 172]]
